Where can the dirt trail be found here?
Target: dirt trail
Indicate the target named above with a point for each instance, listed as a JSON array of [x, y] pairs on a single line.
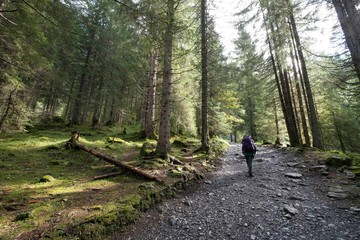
[[271, 205]]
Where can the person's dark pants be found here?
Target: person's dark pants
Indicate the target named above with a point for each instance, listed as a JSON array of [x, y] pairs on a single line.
[[249, 160]]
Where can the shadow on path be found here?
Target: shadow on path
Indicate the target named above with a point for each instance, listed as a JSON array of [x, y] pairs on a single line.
[[230, 205]]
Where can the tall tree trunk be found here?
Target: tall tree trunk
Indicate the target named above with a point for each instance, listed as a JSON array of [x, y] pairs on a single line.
[[90, 93], [296, 113], [277, 73], [68, 102], [299, 96], [338, 132], [163, 145], [349, 18], [9, 105], [75, 118], [277, 141], [293, 129], [313, 118], [150, 98], [277, 80], [250, 112], [204, 79], [98, 104], [111, 119]]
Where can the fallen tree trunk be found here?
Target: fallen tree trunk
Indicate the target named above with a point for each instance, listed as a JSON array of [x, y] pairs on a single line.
[[109, 175], [73, 143]]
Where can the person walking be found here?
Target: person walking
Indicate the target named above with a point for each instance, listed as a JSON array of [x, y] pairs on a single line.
[[249, 151]]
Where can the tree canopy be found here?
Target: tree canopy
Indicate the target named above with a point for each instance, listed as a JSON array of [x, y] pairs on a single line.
[[161, 65]]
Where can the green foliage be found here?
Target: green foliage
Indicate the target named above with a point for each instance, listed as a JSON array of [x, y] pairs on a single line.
[[218, 145], [337, 109], [219, 123]]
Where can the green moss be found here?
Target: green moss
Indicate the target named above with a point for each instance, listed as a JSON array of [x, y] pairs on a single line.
[[47, 178], [108, 205], [22, 216], [218, 146], [116, 140], [176, 173]]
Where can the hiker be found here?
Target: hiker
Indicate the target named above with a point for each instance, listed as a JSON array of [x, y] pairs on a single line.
[[249, 151]]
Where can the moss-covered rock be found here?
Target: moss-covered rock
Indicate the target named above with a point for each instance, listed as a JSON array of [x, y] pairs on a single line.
[[147, 186], [47, 178], [147, 149], [339, 161], [179, 144], [22, 216], [116, 140]]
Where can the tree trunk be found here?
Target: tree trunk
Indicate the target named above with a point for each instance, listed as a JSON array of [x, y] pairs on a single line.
[[90, 93], [293, 130], [151, 94], [276, 73], [204, 80], [313, 118], [250, 109], [111, 118], [75, 119], [338, 132], [296, 113], [68, 102], [163, 145], [277, 141], [299, 96], [349, 18], [98, 104], [277, 80], [9, 105]]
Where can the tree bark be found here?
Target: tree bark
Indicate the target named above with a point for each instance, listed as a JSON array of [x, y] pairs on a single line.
[[73, 143], [299, 95], [204, 80], [277, 141], [75, 119], [109, 175], [98, 103], [293, 129], [250, 112], [9, 104], [163, 146], [296, 113], [151, 94], [338, 132], [349, 18]]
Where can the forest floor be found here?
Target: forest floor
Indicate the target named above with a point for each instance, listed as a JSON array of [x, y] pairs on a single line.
[[50, 192], [320, 203]]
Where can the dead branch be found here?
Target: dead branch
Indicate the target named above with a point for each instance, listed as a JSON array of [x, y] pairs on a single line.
[[109, 175], [74, 144]]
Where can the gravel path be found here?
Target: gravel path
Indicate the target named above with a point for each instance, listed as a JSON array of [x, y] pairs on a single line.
[[271, 205]]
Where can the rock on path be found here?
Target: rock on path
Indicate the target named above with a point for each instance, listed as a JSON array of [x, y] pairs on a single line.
[[230, 205]]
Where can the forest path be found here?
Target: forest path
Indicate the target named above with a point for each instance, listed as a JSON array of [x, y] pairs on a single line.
[[271, 205]]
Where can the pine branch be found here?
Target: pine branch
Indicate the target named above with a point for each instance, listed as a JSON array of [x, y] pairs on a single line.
[[51, 21]]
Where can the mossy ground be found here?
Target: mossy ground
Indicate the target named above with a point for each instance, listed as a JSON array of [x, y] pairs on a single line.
[[74, 206], [315, 155]]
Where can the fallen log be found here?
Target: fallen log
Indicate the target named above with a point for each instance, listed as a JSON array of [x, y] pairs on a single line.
[[109, 175], [73, 143]]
